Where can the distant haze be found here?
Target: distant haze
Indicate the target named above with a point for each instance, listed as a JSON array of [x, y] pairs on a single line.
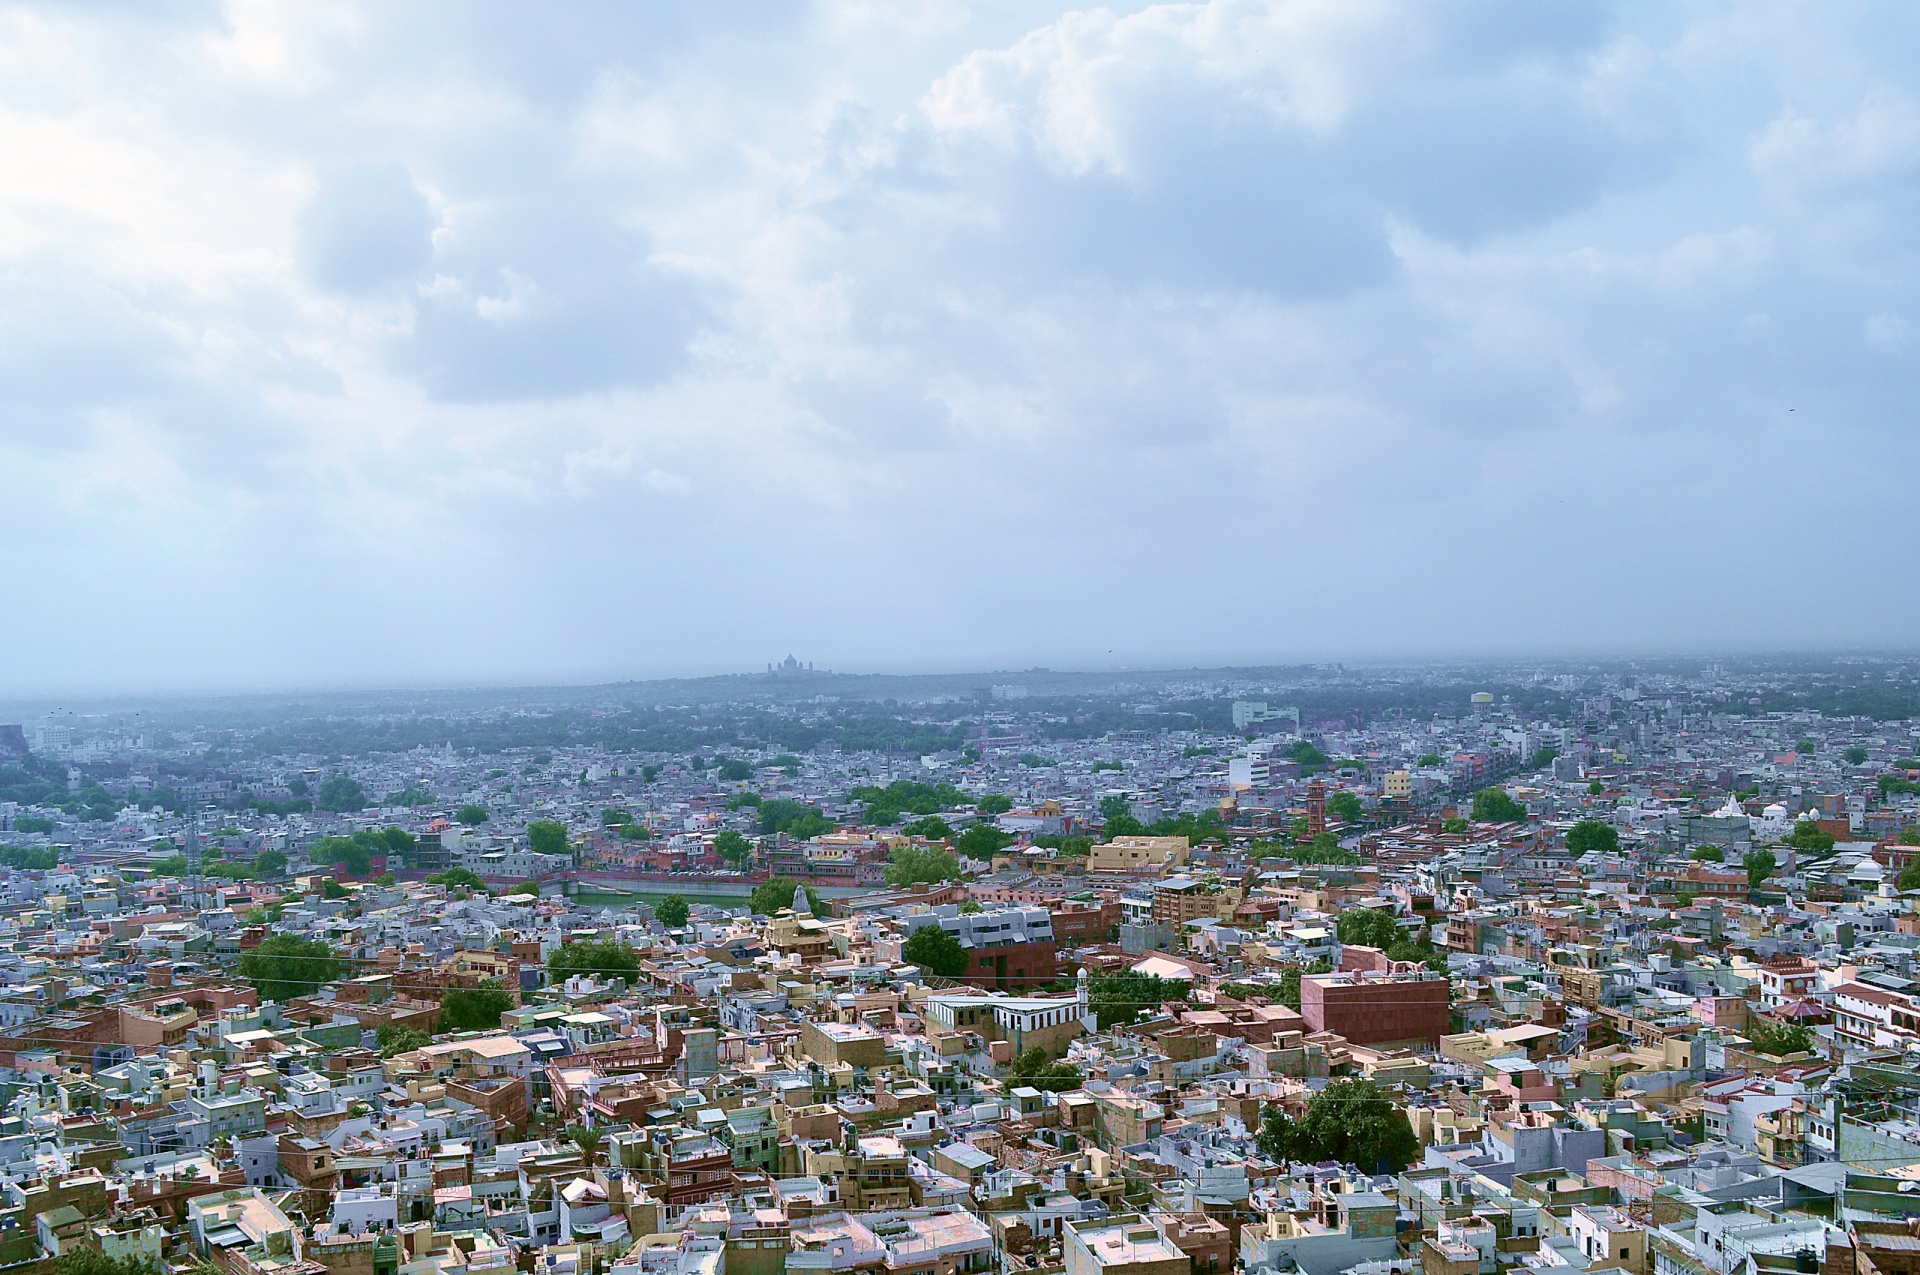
[[442, 344]]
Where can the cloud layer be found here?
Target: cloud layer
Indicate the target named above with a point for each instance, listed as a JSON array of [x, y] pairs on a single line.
[[375, 343]]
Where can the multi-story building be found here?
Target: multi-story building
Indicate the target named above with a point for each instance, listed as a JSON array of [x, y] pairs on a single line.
[[1376, 1009]]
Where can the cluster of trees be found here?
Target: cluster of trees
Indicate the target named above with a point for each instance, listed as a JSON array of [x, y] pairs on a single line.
[[733, 848], [1779, 1039], [936, 951], [982, 841], [623, 823], [1306, 754], [1371, 927], [1810, 836], [473, 1009], [903, 797], [544, 836], [342, 794], [672, 911], [285, 965], [1118, 821], [1345, 806], [1493, 805], [770, 896], [1348, 1122], [457, 878], [913, 865], [1034, 1067], [1591, 836], [1120, 998], [795, 818], [355, 853], [34, 860], [604, 959], [394, 1040]]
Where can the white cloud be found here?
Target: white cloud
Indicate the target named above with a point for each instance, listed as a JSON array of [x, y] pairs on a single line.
[[1256, 300]]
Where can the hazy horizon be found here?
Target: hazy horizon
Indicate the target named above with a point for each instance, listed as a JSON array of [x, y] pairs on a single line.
[[355, 347]]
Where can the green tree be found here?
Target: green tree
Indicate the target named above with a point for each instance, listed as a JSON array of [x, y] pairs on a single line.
[[1119, 998], [1034, 1068], [1595, 788], [458, 878], [1709, 854], [544, 836], [1345, 806], [932, 827], [1542, 758], [671, 911], [1493, 805], [1909, 878], [270, 863], [1348, 1122], [982, 841], [331, 889], [399, 843], [969, 908], [346, 851], [1455, 826], [1428, 759], [795, 819], [284, 966], [1910, 836], [1810, 836], [912, 865], [588, 1140], [79, 1260], [1303, 752], [342, 794], [1759, 865], [604, 958], [1367, 927], [770, 896], [1114, 806], [735, 849], [1277, 1135], [1780, 1039], [471, 815], [995, 803], [473, 1009], [936, 951], [1590, 836], [1855, 755], [734, 771], [395, 1040]]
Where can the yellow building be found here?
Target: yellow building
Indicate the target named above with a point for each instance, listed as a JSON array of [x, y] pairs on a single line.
[[1138, 854]]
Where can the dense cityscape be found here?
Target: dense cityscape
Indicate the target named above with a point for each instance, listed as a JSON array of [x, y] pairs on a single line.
[[1319, 969]]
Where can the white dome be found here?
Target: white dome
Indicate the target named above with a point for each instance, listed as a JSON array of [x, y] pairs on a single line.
[[1775, 811]]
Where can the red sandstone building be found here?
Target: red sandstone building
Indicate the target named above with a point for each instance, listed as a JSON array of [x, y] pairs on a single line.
[[1372, 1009]]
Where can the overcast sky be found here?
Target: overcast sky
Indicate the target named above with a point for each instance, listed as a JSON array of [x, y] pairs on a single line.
[[432, 344]]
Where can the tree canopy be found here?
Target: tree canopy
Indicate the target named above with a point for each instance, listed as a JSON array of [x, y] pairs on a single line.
[[1780, 1039], [348, 852], [342, 794], [602, 958], [793, 818], [907, 797], [770, 896], [671, 910], [1033, 1067], [472, 1009], [1367, 927], [1348, 1122], [914, 865], [733, 848], [395, 1040], [932, 827], [284, 966], [1493, 805], [936, 951], [471, 815], [982, 841], [1759, 864], [1345, 806], [1592, 836], [995, 803], [1119, 998], [544, 836]]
